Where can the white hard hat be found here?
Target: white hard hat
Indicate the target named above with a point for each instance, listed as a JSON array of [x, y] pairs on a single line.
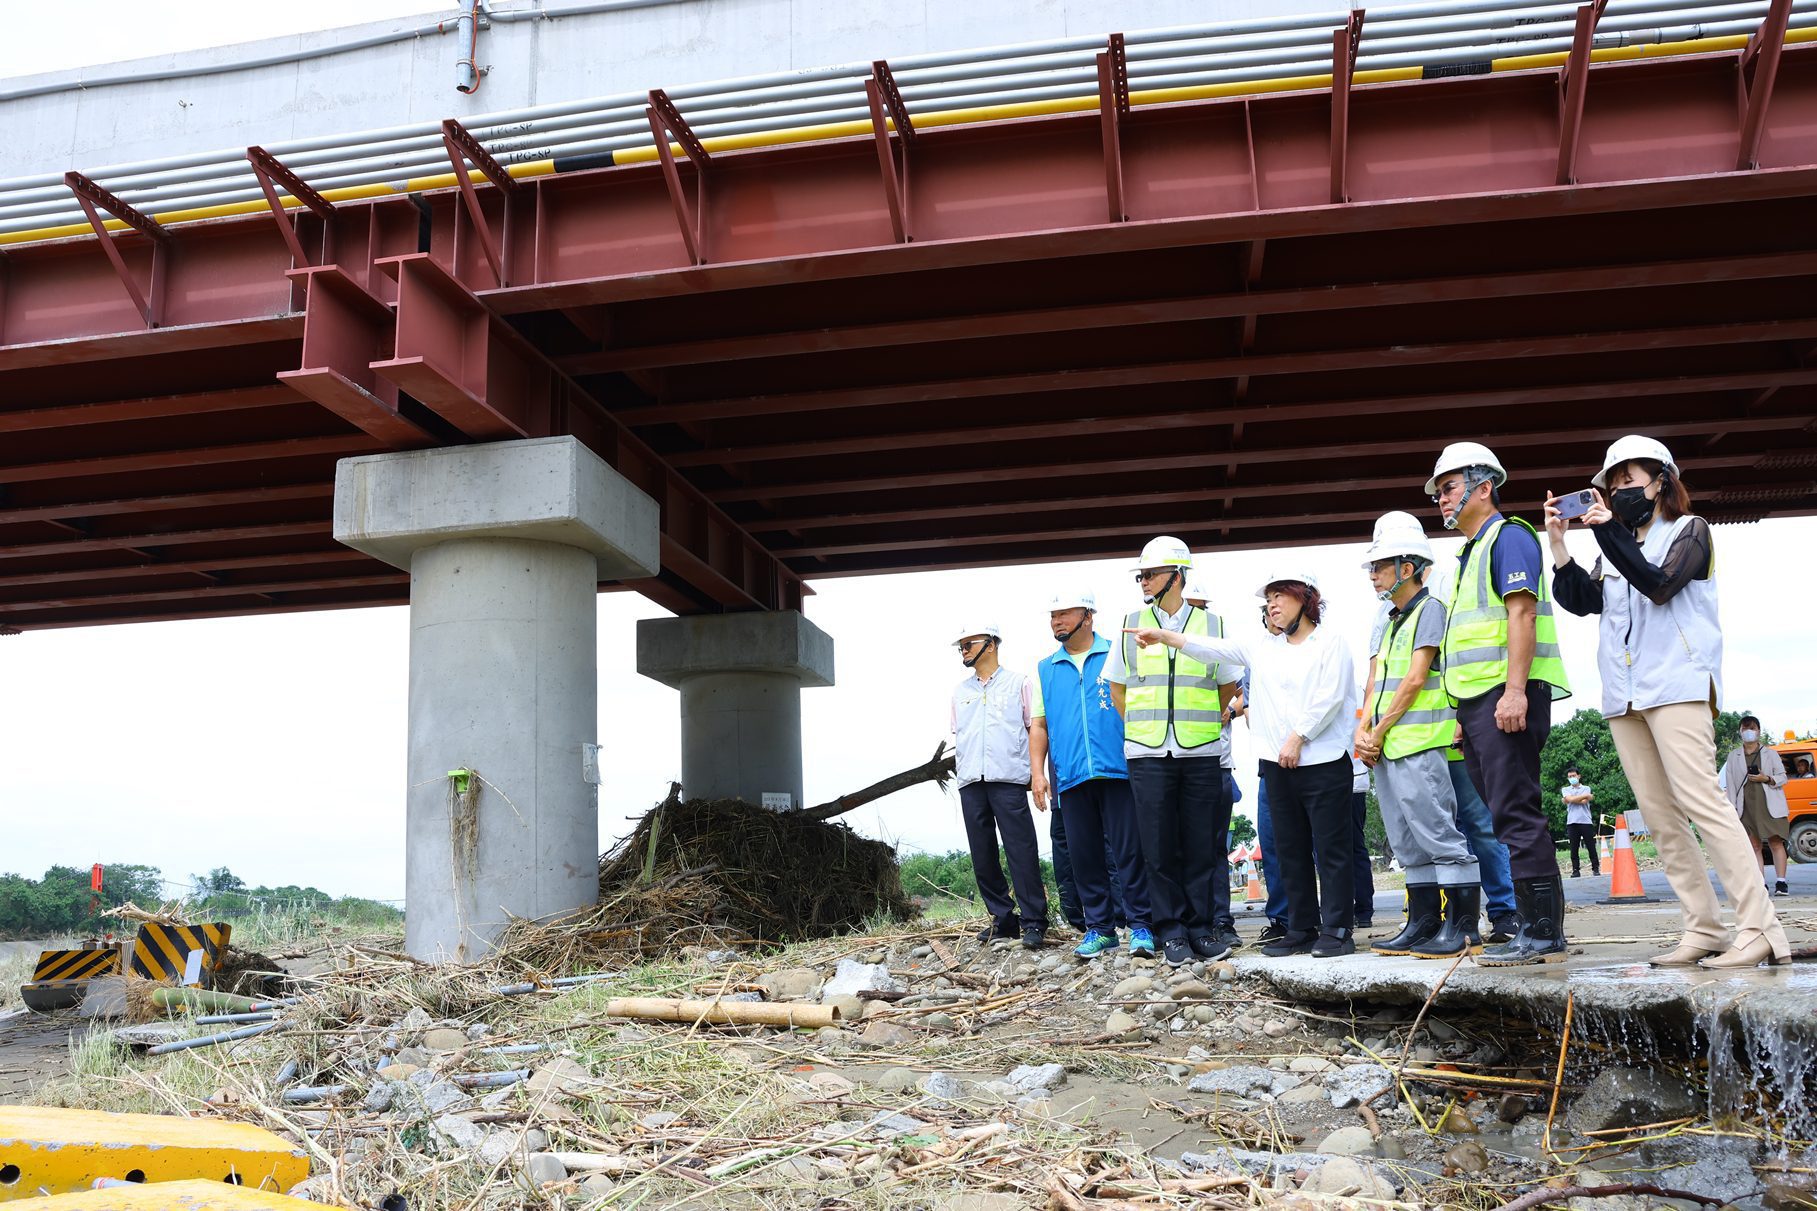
[[1165, 552], [1396, 521], [1288, 576], [1069, 599], [1459, 455], [978, 628], [1626, 449], [1196, 588], [1397, 534]]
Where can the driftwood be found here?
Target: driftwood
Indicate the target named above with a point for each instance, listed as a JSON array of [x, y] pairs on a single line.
[[937, 769], [724, 1013]]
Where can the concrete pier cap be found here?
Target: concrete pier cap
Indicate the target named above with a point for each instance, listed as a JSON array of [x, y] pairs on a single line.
[[505, 545], [740, 677]]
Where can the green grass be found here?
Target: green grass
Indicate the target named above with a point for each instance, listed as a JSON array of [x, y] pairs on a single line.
[[15, 970]]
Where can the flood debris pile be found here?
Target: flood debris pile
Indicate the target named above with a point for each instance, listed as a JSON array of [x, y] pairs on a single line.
[[951, 1076], [721, 872]]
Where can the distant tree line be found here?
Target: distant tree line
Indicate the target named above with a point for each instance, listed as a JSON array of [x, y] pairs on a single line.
[[63, 903]]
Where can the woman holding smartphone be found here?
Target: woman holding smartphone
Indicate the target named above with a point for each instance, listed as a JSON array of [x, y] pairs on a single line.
[[1661, 663], [1302, 701]]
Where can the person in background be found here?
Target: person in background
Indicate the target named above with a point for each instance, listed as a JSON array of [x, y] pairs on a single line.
[[1172, 707], [1755, 777], [1580, 820], [1660, 657], [1503, 669], [991, 717], [1075, 722], [1804, 768], [1303, 699]]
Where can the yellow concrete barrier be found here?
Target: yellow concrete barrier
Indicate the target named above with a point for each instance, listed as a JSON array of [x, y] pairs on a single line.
[[175, 1196], [46, 1150]]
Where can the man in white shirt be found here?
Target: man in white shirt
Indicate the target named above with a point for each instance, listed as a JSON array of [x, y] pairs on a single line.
[[990, 722]]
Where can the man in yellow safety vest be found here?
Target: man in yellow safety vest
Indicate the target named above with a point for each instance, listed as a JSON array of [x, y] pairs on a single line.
[[1406, 729], [1173, 739], [1503, 670]]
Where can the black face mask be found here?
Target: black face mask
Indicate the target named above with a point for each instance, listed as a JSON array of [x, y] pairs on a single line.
[[1632, 506]]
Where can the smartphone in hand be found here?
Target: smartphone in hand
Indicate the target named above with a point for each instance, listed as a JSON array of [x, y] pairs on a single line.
[[1576, 504]]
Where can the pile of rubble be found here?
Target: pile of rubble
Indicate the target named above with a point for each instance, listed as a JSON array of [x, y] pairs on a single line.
[[952, 1076]]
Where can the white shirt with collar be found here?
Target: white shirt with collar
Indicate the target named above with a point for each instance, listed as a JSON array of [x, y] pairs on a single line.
[[1307, 688]]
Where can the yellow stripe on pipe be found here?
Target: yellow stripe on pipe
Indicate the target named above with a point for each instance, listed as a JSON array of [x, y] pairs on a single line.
[[951, 117]]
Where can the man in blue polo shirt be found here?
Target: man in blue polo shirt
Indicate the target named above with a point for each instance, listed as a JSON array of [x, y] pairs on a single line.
[[1075, 722]]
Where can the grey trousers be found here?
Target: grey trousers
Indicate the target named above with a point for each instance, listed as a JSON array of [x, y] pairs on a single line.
[[1419, 810]]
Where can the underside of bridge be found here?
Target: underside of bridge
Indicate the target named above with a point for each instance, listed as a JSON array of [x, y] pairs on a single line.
[[1247, 321]]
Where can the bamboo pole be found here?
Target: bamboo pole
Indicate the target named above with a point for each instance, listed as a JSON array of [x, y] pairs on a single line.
[[724, 1013]]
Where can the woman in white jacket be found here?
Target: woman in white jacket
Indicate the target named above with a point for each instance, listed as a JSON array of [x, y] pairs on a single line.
[[1302, 701], [1755, 778], [1660, 658]]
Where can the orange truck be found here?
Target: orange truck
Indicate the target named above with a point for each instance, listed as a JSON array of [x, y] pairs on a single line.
[[1800, 757]]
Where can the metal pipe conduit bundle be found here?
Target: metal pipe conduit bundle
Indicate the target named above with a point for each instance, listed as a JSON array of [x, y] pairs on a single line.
[[1231, 58]]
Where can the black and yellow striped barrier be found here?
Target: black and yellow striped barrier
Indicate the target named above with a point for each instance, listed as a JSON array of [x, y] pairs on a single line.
[[62, 976], [161, 952]]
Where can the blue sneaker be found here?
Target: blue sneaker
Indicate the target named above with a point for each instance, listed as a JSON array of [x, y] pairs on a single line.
[[1095, 944], [1141, 944]]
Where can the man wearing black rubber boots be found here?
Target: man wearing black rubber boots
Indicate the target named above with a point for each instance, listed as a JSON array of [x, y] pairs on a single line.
[[1503, 669]]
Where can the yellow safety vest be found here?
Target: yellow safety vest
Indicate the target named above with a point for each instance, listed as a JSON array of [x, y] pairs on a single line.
[[1476, 629], [1429, 721], [1168, 686]]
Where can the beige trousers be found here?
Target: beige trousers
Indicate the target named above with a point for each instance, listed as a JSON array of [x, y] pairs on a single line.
[[1667, 752]]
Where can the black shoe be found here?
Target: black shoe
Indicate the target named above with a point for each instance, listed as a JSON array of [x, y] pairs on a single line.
[[1575, 874], [1207, 947], [1541, 937], [1463, 905], [1274, 931], [1331, 945], [1176, 951], [1034, 937], [1423, 916], [1364, 922], [1293, 942], [1504, 927], [1227, 937], [1780, 888], [1001, 929]]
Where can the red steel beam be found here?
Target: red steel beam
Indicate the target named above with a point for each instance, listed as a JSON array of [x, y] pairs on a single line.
[[150, 407], [1113, 108], [889, 112], [462, 147], [1762, 53], [1299, 452], [93, 198], [266, 589], [293, 560], [1265, 414], [487, 379], [1203, 369], [272, 172], [1345, 41], [197, 456], [175, 538], [665, 120], [173, 503], [1297, 300]]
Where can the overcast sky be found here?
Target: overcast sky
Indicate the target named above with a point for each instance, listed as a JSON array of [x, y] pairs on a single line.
[[275, 745]]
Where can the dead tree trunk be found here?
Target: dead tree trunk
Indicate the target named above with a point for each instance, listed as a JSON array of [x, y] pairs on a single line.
[[937, 769]]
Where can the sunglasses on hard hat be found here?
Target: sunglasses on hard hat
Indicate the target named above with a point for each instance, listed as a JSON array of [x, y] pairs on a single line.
[[1151, 573]]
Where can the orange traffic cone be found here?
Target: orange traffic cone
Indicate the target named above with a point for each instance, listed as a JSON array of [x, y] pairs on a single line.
[[1254, 893], [1624, 875]]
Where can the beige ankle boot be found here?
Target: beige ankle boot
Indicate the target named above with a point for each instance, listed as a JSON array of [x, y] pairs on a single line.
[[1687, 954], [1754, 954]]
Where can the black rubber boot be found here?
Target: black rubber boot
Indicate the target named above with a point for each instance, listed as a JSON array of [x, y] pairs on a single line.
[[1541, 938], [1462, 907], [1423, 918]]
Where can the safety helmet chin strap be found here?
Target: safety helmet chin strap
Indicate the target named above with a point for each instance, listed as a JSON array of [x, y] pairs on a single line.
[[1388, 593], [1084, 620], [970, 661], [1474, 478], [1173, 577]]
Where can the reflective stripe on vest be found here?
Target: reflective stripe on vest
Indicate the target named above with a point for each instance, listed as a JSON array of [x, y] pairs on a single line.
[[1166, 685], [1429, 721], [1475, 652]]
